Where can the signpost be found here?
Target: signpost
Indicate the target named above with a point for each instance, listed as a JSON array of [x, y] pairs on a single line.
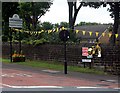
[[86, 57], [14, 22]]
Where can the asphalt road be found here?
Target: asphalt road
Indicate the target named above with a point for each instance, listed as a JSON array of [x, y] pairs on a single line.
[[18, 79]]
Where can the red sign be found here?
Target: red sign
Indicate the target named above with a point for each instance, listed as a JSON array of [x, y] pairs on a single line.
[[84, 51]]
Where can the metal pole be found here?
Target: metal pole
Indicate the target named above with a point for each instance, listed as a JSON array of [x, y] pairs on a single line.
[[10, 45], [65, 62], [19, 42]]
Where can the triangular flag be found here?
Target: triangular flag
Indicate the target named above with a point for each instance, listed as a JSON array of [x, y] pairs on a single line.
[[36, 33], [21, 30], [97, 33], [31, 33], [15, 29], [103, 34], [42, 30], [77, 31], [63, 28], [83, 32], [110, 34], [26, 31], [90, 33], [49, 31], [116, 35], [57, 30], [39, 32]]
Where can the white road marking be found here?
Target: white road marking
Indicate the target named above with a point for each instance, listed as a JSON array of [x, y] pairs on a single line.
[[89, 87], [97, 87], [30, 86], [21, 74], [7, 75], [52, 87], [51, 71], [14, 74]]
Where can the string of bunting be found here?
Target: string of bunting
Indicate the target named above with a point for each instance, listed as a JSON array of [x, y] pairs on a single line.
[[97, 33], [76, 31]]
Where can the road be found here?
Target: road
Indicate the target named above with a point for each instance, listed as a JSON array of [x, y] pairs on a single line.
[[21, 78]]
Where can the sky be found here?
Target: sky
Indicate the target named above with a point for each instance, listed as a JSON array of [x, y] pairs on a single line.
[[58, 12]]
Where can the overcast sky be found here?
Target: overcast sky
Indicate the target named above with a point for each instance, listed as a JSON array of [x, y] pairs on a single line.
[[59, 13]]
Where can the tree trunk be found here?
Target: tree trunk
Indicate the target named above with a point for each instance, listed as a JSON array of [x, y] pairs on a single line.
[[73, 15], [34, 17], [116, 22], [70, 4]]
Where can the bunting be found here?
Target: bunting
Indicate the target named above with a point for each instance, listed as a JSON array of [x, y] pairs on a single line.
[[77, 31], [63, 28], [103, 34], [110, 34], [116, 35], [96, 33], [90, 33], [83, 32], [57, 30]]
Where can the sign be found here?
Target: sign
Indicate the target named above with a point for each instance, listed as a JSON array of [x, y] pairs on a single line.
[[86, 60], [64, 35], [84, 51], [15, 21]]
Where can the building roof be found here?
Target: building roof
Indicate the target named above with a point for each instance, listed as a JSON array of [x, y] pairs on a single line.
[[91, 28]]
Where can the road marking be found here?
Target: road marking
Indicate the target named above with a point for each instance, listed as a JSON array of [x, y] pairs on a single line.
[[97, 87], [52, 87], [36, 87], [50, 71], [89, 87], [14, 75], [30, 86]]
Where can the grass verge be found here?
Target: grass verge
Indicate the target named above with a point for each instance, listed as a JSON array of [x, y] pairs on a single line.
[[55, 66]]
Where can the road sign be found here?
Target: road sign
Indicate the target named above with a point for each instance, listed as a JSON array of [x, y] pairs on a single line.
[[15, 21], [64, 35]]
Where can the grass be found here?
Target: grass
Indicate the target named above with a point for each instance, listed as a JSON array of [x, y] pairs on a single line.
[[56, 66]]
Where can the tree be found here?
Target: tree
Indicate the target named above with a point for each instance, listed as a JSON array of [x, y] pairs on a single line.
[[56, 25], [115, 13], [114, 8], [64, 24], [32, 11], [73, 10], [87, 23], [8, 9], [47, 26]]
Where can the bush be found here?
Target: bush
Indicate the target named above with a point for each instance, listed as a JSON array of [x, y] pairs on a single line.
[[4, 38], [40, 41]]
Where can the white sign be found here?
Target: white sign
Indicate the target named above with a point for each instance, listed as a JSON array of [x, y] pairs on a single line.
[[15, 21], [86, 60]]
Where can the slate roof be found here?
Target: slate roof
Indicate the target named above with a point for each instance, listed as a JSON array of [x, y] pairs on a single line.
[[92, 28]]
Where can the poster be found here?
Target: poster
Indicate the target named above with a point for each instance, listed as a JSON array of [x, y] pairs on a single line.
[[85, 51]]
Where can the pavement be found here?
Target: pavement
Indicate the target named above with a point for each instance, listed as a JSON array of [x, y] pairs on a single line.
[[19, 77]]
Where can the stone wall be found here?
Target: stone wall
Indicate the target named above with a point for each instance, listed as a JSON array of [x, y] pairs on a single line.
[[110, 54]]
